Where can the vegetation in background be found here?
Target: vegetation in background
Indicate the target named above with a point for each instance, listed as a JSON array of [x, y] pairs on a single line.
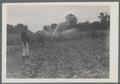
[[92, 29]]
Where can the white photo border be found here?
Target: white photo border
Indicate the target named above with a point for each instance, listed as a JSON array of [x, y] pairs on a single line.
[[114, 37]]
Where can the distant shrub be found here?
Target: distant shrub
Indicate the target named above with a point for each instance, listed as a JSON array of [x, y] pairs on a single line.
[[53, 26], [10, 28], [101, 34], [84, 26], [39, 36], [13, 39], [49, 28]]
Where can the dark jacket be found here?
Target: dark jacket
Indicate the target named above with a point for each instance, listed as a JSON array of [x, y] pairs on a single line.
[[24, 37]]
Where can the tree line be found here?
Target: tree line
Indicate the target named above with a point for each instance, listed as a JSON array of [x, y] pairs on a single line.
[[103, 23]]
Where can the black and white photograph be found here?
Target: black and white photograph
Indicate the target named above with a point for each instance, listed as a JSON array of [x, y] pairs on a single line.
[[60, 41]]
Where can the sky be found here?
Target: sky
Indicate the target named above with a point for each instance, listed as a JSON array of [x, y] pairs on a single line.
[[36, 16]]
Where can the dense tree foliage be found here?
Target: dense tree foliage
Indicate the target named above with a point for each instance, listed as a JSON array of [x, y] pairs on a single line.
[[15, 29], [72, 19], [104, 19]]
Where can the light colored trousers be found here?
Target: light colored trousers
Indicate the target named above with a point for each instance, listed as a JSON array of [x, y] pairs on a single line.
[[25, 49]]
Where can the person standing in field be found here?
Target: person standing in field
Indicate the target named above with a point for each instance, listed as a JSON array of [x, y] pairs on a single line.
[[25, 42]]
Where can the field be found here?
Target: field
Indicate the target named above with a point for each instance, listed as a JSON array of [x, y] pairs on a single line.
[[80, 58]]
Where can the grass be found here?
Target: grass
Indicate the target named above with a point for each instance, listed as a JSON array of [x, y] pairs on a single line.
[[81, 58]]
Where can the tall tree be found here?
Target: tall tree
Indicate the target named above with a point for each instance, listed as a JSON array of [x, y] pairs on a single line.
[[104, 19], [72, 19]]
